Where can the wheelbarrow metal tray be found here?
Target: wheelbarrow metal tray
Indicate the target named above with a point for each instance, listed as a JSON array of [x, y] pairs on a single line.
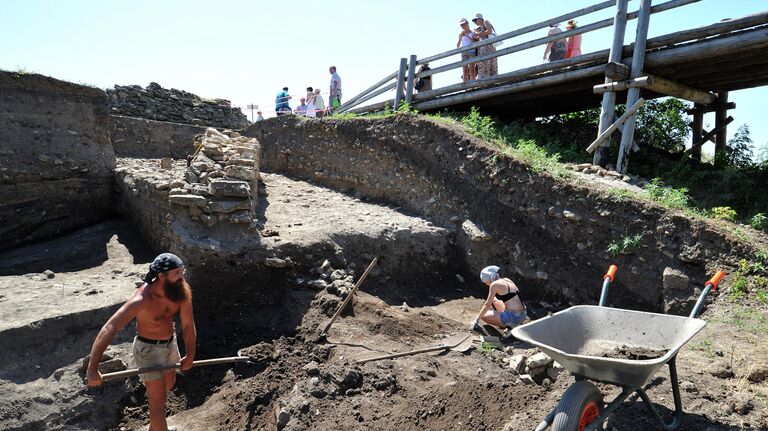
[[574, 337]]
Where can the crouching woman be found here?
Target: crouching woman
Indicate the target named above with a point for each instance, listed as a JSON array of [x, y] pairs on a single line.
[[504, 308]]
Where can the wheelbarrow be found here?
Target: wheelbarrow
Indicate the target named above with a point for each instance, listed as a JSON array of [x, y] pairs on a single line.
[[614, 346]]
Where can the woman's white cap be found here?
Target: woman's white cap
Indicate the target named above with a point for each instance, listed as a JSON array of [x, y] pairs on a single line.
[[489, 273]]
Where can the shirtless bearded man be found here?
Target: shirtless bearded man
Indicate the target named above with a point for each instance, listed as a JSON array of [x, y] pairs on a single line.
[[164, 294]]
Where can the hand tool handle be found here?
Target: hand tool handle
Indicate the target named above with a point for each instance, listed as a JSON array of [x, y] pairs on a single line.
[[136, 371], [709, 285], [349, 297], [715, 280]]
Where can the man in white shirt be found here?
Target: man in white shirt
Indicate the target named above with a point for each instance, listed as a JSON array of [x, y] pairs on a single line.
[[335, 98]]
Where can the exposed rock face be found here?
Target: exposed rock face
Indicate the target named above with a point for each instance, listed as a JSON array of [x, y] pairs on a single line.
[[158, 103], [148, 139], [56, 160], [538, 226]]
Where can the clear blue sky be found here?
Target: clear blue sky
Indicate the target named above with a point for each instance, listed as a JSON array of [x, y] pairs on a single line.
[[246, 51]]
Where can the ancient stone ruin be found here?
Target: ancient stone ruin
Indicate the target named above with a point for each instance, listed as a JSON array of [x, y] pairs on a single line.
[[158, 103]]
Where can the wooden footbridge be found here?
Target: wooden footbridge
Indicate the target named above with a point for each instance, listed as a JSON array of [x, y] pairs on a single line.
[[699, 65]]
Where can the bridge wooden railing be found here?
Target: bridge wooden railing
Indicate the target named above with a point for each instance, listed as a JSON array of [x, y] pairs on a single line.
[[405, 75], [620, 73]]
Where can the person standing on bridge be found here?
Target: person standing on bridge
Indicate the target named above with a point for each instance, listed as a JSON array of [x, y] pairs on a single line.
[[555, 50], [574, 42], [484, 30], [466, 38], [164, 294], [335, 97], [282, 106], [319, 104]]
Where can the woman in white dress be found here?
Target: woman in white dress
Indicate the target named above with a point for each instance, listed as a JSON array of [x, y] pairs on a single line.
[[311, 103]]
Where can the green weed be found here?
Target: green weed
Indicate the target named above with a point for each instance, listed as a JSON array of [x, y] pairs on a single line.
[[486, 348], [759, 221], [619, 194], [723, 213], [624, 245], [738, 287]]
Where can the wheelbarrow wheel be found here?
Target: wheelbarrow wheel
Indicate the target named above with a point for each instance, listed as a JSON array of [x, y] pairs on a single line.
[[580, 405]]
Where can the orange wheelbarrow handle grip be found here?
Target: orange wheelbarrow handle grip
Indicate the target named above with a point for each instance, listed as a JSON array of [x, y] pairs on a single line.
[[715, 279], [611, 272]]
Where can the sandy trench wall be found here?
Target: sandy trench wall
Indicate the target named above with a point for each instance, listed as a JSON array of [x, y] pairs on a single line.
[[56, 159], [550, 235], [150, 139]]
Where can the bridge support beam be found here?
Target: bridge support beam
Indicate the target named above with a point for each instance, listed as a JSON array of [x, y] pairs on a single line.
[[614, 56], [409, 82], [721, 128], [400, 82], [638, 60], [659, 85], [698, 127]]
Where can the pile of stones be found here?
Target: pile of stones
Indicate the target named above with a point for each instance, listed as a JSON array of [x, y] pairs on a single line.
[[158, 103], [221, 182], [531, 366]]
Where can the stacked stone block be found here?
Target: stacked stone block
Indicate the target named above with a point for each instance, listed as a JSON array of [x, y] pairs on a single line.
[[221, 182]]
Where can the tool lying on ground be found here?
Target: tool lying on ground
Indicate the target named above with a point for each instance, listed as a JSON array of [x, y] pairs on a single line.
[[136, 371], [456, 343], [346, 300]]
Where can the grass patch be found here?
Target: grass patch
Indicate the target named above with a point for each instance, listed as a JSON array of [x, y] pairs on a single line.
[[747, 318], [620, 194], [667, 196]]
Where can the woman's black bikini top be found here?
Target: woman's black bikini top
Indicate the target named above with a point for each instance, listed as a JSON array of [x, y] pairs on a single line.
[[507, 296]]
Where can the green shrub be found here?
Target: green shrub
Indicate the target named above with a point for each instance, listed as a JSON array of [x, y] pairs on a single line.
[[723, 213], [481, 126], [759, 221], [667, 196]]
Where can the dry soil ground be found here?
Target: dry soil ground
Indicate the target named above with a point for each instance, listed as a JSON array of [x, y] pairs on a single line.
[[299, 383]]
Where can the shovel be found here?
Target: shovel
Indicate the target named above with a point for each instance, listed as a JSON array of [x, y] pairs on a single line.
[[136, 371], [324, 335], [456, 343]]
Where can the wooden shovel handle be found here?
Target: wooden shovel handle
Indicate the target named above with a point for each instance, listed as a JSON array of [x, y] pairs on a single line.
[[349, 296], [136, 371]]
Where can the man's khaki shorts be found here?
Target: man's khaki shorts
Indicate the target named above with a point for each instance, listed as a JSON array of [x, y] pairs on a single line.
[[149, 355]]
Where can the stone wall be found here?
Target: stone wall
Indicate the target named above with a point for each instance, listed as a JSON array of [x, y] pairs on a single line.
[[56, 160], [214, 199], [142, 138], [157, 103], [551, 235]]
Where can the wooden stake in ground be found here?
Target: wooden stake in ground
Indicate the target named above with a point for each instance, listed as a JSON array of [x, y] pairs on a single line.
[[347, 299]]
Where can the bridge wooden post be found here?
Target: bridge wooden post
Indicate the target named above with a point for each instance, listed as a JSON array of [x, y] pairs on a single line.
[[638, 60], [720, 126], [697, 126], [609, 99], [400, 82], [409, 82]]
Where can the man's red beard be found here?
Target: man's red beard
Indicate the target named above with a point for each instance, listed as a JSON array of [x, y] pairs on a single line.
[[177, 291]]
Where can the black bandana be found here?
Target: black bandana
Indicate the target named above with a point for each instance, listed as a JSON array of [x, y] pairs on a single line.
[[162, 263]]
